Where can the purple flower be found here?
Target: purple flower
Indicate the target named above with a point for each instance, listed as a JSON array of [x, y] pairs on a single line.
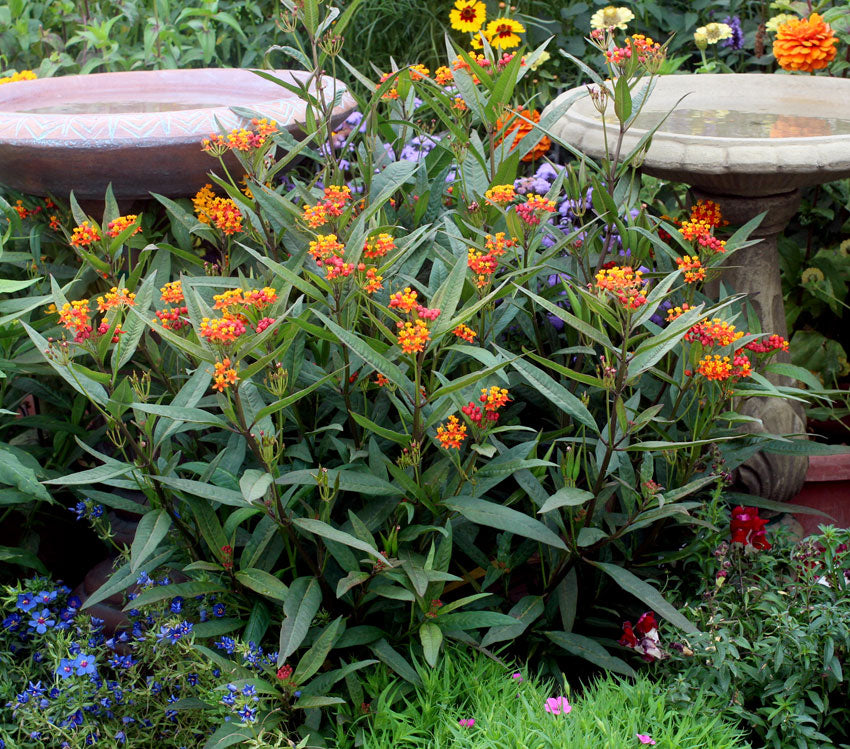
[[176, 604], [218, 610], [645, 738], [736, 41], [40, 622], [466, 722], [26, 601], [85, 664], [557, 706]]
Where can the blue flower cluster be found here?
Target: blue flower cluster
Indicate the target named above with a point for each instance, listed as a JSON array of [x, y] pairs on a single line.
[[242, 702], [87, 509]]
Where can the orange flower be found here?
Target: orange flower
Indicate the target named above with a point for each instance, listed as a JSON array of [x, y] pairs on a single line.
[[494, 399], [452, 433], [84, 235], [715, 332], [381, 381], [676, 312], [443, 75], [314, 215], [336, 197], [202, 201], [483, 266], [120, 224], [116, 297], [497, 245], [222, 330], [225, 215], [805, 44], [390, 93], [465, 333], [625, 283], [715, 367], [55, 224], [260, 298], [372, 282], [378, 246], [500, 194], [708, 212], [172, 292], [75, 316], [413, 336], [691, 266], [418, 72], [528, 211], [404, 300], [224, 375], [516, 128], [324, 247]]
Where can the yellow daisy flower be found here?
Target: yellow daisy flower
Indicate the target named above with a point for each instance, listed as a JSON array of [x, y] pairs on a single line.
[[503, 32], [468, 15], [714, 32]]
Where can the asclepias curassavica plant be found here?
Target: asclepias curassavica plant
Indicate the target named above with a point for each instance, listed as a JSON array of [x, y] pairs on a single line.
[[405, 400]]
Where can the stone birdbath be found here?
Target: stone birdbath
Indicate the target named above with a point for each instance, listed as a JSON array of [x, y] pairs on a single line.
[[749, 142], [139, 131]]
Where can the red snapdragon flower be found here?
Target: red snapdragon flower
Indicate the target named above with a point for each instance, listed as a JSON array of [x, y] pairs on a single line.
[[747, 528]]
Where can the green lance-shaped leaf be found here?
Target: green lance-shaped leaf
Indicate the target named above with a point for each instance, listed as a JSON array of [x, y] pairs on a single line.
[[153, 527], [392, 658], [263, 583], [14, 473], [302, 603], [526, 611], [569, 496], [315, 657], [643, 591], [591, 651], [431, 637], [165, 592], [327, 531], [506, 519]]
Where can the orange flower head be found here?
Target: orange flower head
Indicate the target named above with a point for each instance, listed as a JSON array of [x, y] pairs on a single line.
[[418, 72], [443, 75], [122, 223], [224, 214], [452, 433], [202, 201], [378, 246], [514, 127], [497, 245], [493, 399], [85, 235], [372, 281], [676, 312], [315, 215], [324, 247], [465, 333], [625, 283], [714, 332], [405, 301], [224, 375], [336, 198], [222, 330], [459, 105], [75, 316], [691, 267], [500, 194], [390, 93], [172, 292], [260, 298], [805, 44], [381, 381], [114, 298], [708, 212], [482, 265], [533, 207], [413, 336]]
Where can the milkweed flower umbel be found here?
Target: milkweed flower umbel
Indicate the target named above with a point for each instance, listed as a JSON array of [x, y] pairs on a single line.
[[413, 336], [691, 268], [223, 330], [116, 297], [85, 235], [534, 206], [122, 223], [805, 44], [224, 375], [451, 434], [500, 194], [625, 283]]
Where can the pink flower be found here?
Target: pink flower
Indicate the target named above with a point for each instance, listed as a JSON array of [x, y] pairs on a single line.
[[517, 676], [469, 722], [645, 738], [558, 706]]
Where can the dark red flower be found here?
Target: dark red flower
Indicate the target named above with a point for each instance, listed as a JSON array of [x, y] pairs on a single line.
[[628, 639], [646, 623], [747, 528]]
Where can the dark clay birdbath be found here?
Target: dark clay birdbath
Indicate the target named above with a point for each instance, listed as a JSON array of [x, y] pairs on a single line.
[[749, 142], [140, 131]]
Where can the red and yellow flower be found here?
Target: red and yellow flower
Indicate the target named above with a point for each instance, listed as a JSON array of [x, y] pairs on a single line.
[[468, 15], [85, 235], [224, 375], [452, 433]]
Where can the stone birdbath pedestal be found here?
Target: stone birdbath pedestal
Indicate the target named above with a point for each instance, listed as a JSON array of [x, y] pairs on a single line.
[[748, 142]]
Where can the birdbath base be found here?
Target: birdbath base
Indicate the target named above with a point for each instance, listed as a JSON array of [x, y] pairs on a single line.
[[754, 271]]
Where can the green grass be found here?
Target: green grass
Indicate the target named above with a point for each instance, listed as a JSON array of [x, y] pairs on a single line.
[[510, 714]]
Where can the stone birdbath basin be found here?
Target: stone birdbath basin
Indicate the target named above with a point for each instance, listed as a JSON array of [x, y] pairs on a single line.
[[749, 142], [140, 131]]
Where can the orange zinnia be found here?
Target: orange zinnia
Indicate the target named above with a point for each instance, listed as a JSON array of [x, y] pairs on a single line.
[[805, 44], [523, 128]]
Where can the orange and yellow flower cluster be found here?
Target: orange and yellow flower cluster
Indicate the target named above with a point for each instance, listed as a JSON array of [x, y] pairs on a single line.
[[222, 213], [414, 333], [625, 283], [332, 205], [452, 434], [705, 217], [240, 138], [533, 208], [805, 44], [85, 235], [122, 223], [515, 126], [692, 268], [172, 317], [224, 375]]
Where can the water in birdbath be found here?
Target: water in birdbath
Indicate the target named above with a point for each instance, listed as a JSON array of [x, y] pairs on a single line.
[[722, 123], [115, 107]]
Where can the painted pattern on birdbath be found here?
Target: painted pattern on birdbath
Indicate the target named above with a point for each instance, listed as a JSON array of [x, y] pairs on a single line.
[[749, 142], [140, 130]]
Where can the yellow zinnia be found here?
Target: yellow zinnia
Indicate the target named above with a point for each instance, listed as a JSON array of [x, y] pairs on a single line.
[[468, 15], [502, 33], [611, 17], [714, 32]]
